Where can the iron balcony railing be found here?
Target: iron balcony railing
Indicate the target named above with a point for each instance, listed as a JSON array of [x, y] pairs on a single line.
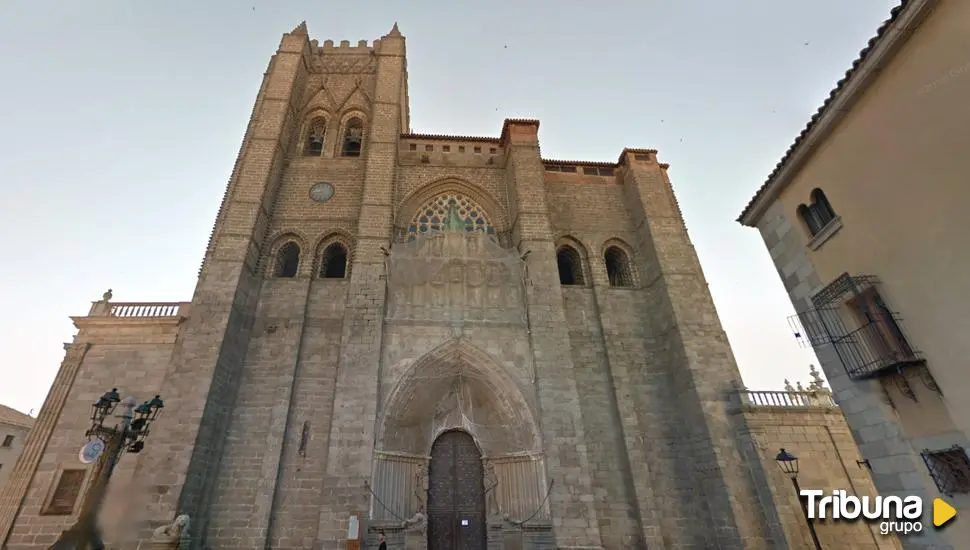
[[872, 343]]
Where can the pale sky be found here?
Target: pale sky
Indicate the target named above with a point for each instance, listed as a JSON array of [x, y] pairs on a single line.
[[120, 122]]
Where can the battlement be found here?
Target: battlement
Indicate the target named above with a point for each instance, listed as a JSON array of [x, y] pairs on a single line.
[[445, 150], [344, 48], [441, 150], [581, 171]]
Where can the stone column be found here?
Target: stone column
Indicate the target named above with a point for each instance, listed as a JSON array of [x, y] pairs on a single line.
[[698, 357], [564, 442]]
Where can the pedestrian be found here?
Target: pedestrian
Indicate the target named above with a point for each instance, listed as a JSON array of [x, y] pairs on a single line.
[[383, 539]]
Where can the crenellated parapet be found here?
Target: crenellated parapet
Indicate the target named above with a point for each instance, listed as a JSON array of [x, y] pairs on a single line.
[[344, 47], [438, 150]]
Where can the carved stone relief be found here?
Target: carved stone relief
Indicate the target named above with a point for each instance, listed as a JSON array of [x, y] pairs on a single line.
[[455, 277]]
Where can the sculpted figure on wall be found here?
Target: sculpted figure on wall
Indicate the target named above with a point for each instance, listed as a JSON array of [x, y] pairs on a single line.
[[171, 536], [491, 485], [452, 268]]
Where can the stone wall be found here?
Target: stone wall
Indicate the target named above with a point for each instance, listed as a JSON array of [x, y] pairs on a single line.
[[809, 425], [16, 425], [124, 346], [876, 423]]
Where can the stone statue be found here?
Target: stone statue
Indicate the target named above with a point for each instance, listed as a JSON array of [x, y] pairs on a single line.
[[171, 536], [799, 386], [418, 522], [454, 222], [788, 386], [420, 488], [106, 297], [491, 483], [817, 383]]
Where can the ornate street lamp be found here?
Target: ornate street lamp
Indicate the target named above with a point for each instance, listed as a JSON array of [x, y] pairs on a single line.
[[789, 464], [106, 444]]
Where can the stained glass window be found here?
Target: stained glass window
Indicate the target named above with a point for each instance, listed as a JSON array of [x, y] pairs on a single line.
[[432, 216]]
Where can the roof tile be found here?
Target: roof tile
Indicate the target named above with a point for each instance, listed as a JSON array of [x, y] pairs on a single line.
[[15, 418], [880, 33]]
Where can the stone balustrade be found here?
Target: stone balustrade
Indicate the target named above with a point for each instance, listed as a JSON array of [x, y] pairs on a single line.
[[809, 399], [139, 310]]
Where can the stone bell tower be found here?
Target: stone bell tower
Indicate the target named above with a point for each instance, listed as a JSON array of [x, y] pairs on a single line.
[[221, 344]]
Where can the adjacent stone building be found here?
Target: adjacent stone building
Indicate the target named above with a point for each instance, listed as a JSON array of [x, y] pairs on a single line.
[[449, 338], [808, 424], [14, 426], [865, 220]]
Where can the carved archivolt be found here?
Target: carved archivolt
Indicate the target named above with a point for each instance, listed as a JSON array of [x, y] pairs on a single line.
[[451, 187], [458, 386]]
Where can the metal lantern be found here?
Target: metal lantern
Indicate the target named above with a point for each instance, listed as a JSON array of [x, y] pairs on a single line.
[[787, 462]]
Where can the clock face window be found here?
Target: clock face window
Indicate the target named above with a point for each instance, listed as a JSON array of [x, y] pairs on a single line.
[[321, 192]]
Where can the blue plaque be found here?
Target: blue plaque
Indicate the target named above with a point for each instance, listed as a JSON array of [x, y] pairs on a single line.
[[91, 451]]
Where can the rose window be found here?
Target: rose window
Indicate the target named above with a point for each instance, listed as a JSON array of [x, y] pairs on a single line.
[[433, 216]]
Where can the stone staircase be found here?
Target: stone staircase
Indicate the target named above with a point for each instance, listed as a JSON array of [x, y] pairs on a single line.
[[501, 537]]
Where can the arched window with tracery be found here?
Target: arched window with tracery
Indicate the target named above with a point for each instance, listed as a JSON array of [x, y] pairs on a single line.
[[353, 138], [316, 133], [434, 214], [287, 261], [333, 261], [618, 267], [570, 266]]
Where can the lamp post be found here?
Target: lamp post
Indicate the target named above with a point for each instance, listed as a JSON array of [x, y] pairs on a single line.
[[789, 464], [106, 444]]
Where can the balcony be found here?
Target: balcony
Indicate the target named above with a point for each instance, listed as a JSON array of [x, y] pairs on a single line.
[[851, 316], [810, 399], [139, 310]]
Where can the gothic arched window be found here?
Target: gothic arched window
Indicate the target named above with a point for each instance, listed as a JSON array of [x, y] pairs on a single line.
[[618, 267], [333, 262], [353, 137], [432, 216], [570, 266], [316, 132], [287, 260]]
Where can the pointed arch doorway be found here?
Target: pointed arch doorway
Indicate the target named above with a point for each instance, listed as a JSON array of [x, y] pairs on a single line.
[[456, 494]]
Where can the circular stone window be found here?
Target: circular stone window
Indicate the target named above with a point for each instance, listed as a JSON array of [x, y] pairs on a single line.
[[321, 192]]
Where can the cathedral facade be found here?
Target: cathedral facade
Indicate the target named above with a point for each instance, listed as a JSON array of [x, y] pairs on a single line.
[[449, 340]]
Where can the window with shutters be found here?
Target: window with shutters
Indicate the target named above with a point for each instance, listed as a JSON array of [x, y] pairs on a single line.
[[66, 493]]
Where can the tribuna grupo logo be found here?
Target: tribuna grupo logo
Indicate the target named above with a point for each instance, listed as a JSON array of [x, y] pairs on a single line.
[[901, 515]]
